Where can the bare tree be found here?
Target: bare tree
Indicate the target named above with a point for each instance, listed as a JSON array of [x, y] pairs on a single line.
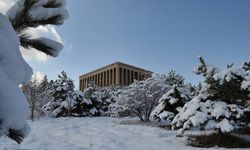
[[140, 98]]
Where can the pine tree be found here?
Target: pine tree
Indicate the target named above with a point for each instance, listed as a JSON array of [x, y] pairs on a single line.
[[23, 15], [45, 92], [222, 103], [61, 104], [113, 95], [169, 105], [246, 66], [80, 106], [174, 79], [100, 99], [246, 82], [223, 85]]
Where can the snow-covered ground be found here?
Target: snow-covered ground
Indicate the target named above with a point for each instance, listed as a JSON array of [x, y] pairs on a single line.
[[101, 133]]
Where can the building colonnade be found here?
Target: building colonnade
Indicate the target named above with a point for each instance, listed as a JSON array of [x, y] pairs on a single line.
[[112, 76]]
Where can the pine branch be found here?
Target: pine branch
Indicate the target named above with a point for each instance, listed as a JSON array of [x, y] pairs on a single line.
[[22, 20], [230, 65], [16, 136], [246, 66], [53, 4], [202, 68], [39, 45], [202, 61], [21, 17], [20, 23], [26, 17]]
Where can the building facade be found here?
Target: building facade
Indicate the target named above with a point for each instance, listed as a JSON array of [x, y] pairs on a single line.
[[114, 74]]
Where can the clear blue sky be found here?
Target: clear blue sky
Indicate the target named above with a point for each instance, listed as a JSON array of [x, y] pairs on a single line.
[[158, 35]]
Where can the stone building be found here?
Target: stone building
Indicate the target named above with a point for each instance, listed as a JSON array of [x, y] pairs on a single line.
[[114, 74]]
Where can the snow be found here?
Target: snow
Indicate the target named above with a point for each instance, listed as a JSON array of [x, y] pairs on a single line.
[[11, 61], [246, 83], [225, 126], [211, 114], [13, 71], [166, 117], [228, 74], [93, 111], [172, 100], [60, 88], [15, 9], [198, 118], [87, 101], [101, 133], [158, 109], [220, 109]]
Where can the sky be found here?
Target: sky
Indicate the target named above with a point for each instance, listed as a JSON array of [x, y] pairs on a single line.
[[157, 35]]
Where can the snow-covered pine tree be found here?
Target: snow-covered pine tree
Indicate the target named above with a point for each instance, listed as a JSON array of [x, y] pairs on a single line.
[[246, 82], [45, 92], [15, 70], [46, 87], [92, 93], [222, 103], [246, 66], [225, 84], [174, 99], [26, 14], [174, 79], [170, 104], [114, 93], [61, 104], [198, 89], [100, 99], [80, 105]]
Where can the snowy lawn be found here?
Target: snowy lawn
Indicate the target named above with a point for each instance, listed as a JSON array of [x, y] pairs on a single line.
[[101, 133]]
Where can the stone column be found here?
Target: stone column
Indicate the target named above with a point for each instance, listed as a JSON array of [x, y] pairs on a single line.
[[136, 75], [95, 79], [128, 77], [122, 77], [107, 72], [132, 76], [116, 75], [82, 83], [110, 76], [85, 81], [104, 78], [80, 86], [98, 79], [101, 79]]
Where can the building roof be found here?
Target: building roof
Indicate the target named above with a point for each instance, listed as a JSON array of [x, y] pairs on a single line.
[[113, 64]]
